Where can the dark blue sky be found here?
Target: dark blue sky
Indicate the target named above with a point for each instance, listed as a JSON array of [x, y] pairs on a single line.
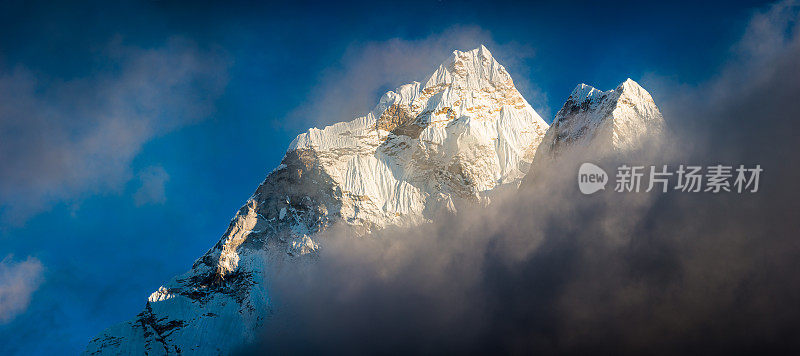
[[103, 250]]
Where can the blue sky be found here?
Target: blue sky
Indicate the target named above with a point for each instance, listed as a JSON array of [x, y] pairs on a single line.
[[132, 133]]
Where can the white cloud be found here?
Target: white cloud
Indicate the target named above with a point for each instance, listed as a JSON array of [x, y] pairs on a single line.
[[18, 281], [770, 33], [63, 140]]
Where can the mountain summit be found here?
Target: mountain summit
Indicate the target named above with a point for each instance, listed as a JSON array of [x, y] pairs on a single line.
[[616, 119], [423, 150], [600, 122]]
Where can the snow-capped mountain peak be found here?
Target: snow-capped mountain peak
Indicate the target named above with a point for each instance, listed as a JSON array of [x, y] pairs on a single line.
[[602, 122], [615, 119], [472, 69], [584, 93], [423, 150]]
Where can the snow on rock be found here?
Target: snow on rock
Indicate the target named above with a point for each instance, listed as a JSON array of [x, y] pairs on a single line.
[[301, 246], [423, 150], [160, 295]]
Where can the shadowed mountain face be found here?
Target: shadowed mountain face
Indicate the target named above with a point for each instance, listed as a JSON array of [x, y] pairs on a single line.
[[425, 150]]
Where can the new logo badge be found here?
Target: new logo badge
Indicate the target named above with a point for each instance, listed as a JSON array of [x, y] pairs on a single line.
[[591, 178]]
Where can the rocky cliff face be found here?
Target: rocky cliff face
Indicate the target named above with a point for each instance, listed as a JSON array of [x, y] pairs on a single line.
[[423, 150]]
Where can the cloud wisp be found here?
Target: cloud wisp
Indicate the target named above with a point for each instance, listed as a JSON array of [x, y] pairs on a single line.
[[151, 190], [18, 281], [62, 140]]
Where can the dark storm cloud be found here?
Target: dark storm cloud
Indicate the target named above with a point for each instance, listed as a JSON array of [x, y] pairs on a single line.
[[550, 270], [62, 140]]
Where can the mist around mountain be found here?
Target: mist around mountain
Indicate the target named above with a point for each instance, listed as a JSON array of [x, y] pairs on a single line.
[[549, 270], [542, 269]]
